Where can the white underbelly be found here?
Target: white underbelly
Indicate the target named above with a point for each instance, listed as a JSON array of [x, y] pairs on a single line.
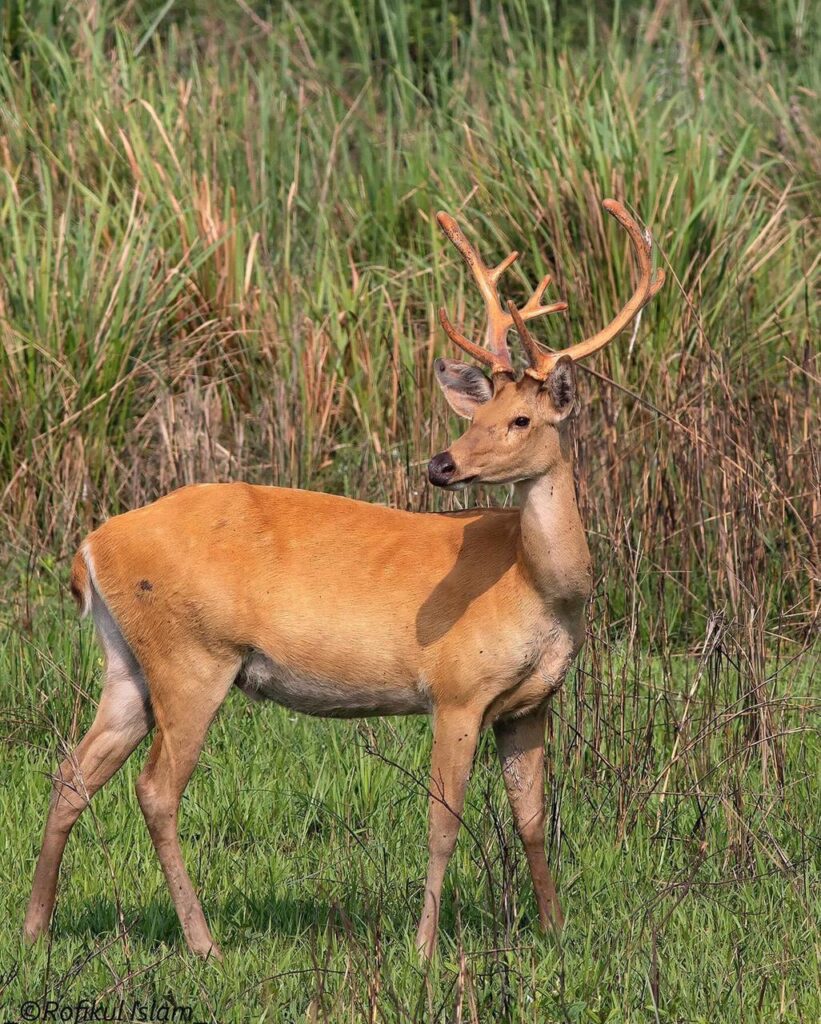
[[261, 678]]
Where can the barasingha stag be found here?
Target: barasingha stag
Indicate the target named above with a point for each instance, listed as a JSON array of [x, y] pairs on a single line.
[[341, 608]]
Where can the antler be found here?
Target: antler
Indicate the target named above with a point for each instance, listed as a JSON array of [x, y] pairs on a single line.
[[495, 354], [541, 363]]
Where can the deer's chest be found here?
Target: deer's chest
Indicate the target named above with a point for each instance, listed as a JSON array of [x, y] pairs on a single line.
[[538, 669]]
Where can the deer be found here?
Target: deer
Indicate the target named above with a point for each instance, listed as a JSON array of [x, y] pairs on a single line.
[[340, 608]]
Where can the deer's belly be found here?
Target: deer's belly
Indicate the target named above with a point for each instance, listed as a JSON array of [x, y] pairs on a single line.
[[262, 678]]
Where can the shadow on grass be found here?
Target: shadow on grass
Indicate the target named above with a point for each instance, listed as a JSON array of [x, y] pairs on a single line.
[[238, 918], [156, 919]]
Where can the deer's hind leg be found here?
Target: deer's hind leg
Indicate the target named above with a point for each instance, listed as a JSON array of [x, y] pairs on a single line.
[[520, 744], [187, 692], [123, 718]]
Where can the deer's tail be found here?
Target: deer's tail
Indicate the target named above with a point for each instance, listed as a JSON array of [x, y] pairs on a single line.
[[81, 582]]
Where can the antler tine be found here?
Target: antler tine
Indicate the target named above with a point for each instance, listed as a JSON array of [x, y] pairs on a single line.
[[649, 284], [496, 354], [476, 351], [537, 358], [533, 308]]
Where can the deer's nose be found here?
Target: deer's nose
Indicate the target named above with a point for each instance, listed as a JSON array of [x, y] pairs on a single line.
[[441, 469]]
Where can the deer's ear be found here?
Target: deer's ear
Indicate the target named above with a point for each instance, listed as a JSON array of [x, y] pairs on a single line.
[[464, 386], [560, 389]]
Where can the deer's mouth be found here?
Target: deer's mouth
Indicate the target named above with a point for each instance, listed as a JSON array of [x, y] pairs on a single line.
[[459, 485]]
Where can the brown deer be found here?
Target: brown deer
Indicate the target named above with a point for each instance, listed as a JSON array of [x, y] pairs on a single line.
[[341, 608]]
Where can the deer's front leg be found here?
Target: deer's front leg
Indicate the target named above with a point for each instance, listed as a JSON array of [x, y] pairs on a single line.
[[520, 743], [455, 732]]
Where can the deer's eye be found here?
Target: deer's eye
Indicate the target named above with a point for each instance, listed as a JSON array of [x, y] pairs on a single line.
[[521, 421]]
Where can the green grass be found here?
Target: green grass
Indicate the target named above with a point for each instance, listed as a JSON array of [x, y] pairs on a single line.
[[218, 260], [307, 840]]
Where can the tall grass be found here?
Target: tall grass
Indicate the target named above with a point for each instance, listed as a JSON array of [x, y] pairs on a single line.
[[219, 260]]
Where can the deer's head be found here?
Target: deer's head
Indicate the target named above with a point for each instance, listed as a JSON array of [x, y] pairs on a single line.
[[517, 423]]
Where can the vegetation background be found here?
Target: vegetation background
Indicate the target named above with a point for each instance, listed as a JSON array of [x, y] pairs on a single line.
[[218, 260]]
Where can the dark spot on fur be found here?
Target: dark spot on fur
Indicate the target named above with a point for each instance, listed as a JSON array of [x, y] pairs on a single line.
[[220, 524], [145, 585]]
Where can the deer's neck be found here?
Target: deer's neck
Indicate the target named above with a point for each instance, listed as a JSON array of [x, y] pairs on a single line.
[[552, 545]]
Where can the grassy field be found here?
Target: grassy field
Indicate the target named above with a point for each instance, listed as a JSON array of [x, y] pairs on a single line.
[[218, 260]]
